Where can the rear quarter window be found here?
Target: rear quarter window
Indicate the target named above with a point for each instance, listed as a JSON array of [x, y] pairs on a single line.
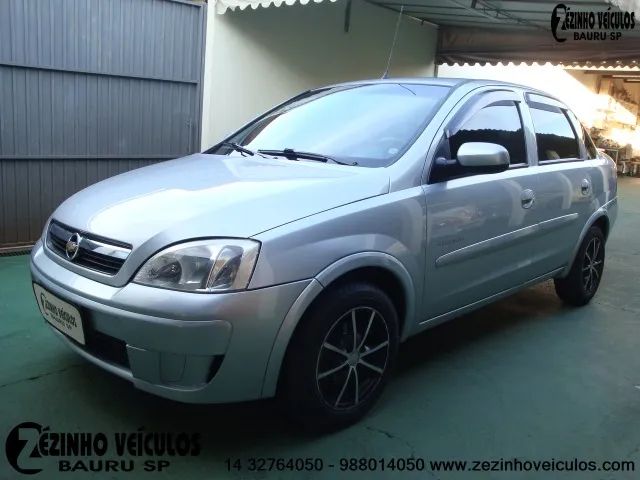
[[592, 151], [590, 147]]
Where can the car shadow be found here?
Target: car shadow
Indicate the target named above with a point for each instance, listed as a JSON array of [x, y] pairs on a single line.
[[534, 304], [228, 428]]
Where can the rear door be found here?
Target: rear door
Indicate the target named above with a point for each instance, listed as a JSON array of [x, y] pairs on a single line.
[[480, 227], [567, 178]]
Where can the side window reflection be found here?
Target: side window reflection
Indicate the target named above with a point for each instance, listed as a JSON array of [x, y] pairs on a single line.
[[497, 123]]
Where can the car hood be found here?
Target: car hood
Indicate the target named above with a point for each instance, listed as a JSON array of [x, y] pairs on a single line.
[[212, 195]]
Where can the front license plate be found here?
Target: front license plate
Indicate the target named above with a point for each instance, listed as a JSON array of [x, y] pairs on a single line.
[[60, 314]]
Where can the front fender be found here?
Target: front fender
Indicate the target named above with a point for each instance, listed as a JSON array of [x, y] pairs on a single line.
[[316, 287]]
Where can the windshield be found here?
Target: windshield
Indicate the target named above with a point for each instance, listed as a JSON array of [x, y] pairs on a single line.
[[367, 125]]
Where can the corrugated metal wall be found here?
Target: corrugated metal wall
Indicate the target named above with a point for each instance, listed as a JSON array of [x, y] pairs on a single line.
[[89, 89]]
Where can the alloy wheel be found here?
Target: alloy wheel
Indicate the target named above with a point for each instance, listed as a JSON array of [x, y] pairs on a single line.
[[592, 265], [353, 358]]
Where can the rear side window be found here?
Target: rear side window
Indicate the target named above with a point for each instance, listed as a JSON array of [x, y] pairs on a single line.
[[497, 123], [554, 135]]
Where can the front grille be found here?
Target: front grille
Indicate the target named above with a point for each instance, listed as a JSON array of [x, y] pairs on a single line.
[[95, 253]]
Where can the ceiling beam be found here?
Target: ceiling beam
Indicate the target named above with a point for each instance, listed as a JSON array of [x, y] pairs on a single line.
[[570, 3], [610, 72], [455, 11], [480, 23], [495, 14], [400, 9], [417, 5], [432, 15]]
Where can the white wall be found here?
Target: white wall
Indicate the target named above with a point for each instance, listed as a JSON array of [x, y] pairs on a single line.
[[257, 58]]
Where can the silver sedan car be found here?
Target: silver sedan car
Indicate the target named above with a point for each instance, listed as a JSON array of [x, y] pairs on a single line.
[[294, 257]]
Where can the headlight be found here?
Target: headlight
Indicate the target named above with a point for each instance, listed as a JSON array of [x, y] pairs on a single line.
[[214, 265]]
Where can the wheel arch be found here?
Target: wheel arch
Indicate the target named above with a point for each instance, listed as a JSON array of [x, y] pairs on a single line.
[[603, 223], [379, 268], [599, 218]]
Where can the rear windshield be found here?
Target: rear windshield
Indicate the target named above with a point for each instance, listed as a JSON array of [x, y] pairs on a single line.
[[371, 125]]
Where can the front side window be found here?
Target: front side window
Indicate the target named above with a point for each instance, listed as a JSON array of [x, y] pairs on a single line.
[[497, 123], [554, 135], [371, 125]]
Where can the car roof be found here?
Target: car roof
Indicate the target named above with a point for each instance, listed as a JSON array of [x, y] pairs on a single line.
[[447, 82], [454, 83]]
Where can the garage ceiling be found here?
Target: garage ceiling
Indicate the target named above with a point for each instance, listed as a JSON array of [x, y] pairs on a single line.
[[492, 31], [502, 31], [521, 14]]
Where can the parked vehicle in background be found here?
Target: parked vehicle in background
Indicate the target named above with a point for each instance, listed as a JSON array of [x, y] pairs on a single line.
[[295, 257]]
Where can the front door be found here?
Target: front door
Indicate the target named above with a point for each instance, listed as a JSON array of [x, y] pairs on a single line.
[[479, 227]]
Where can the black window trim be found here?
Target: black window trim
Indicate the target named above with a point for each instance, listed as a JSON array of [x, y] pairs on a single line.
[[524, 164]]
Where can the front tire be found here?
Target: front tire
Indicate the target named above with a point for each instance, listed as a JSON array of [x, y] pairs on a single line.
[[340, 357], [579, 287]]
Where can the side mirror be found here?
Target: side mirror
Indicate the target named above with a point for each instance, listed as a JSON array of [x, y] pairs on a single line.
[[486, 157]]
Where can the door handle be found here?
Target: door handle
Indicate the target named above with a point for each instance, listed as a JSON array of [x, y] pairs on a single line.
[[527, 198], [585, 187]]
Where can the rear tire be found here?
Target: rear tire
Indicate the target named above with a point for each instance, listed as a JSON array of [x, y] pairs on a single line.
[[579, 287], [331, 377]]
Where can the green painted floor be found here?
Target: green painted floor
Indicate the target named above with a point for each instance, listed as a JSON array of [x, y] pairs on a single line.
[[525, 377]]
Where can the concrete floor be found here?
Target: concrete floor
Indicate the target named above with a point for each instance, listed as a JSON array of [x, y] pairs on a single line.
[[525, 377]]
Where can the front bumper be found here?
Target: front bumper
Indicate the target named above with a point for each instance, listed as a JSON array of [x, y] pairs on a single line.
[[200, 348]]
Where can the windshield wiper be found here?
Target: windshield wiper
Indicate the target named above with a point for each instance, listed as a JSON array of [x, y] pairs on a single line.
[[292, 154], [239, 148]]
